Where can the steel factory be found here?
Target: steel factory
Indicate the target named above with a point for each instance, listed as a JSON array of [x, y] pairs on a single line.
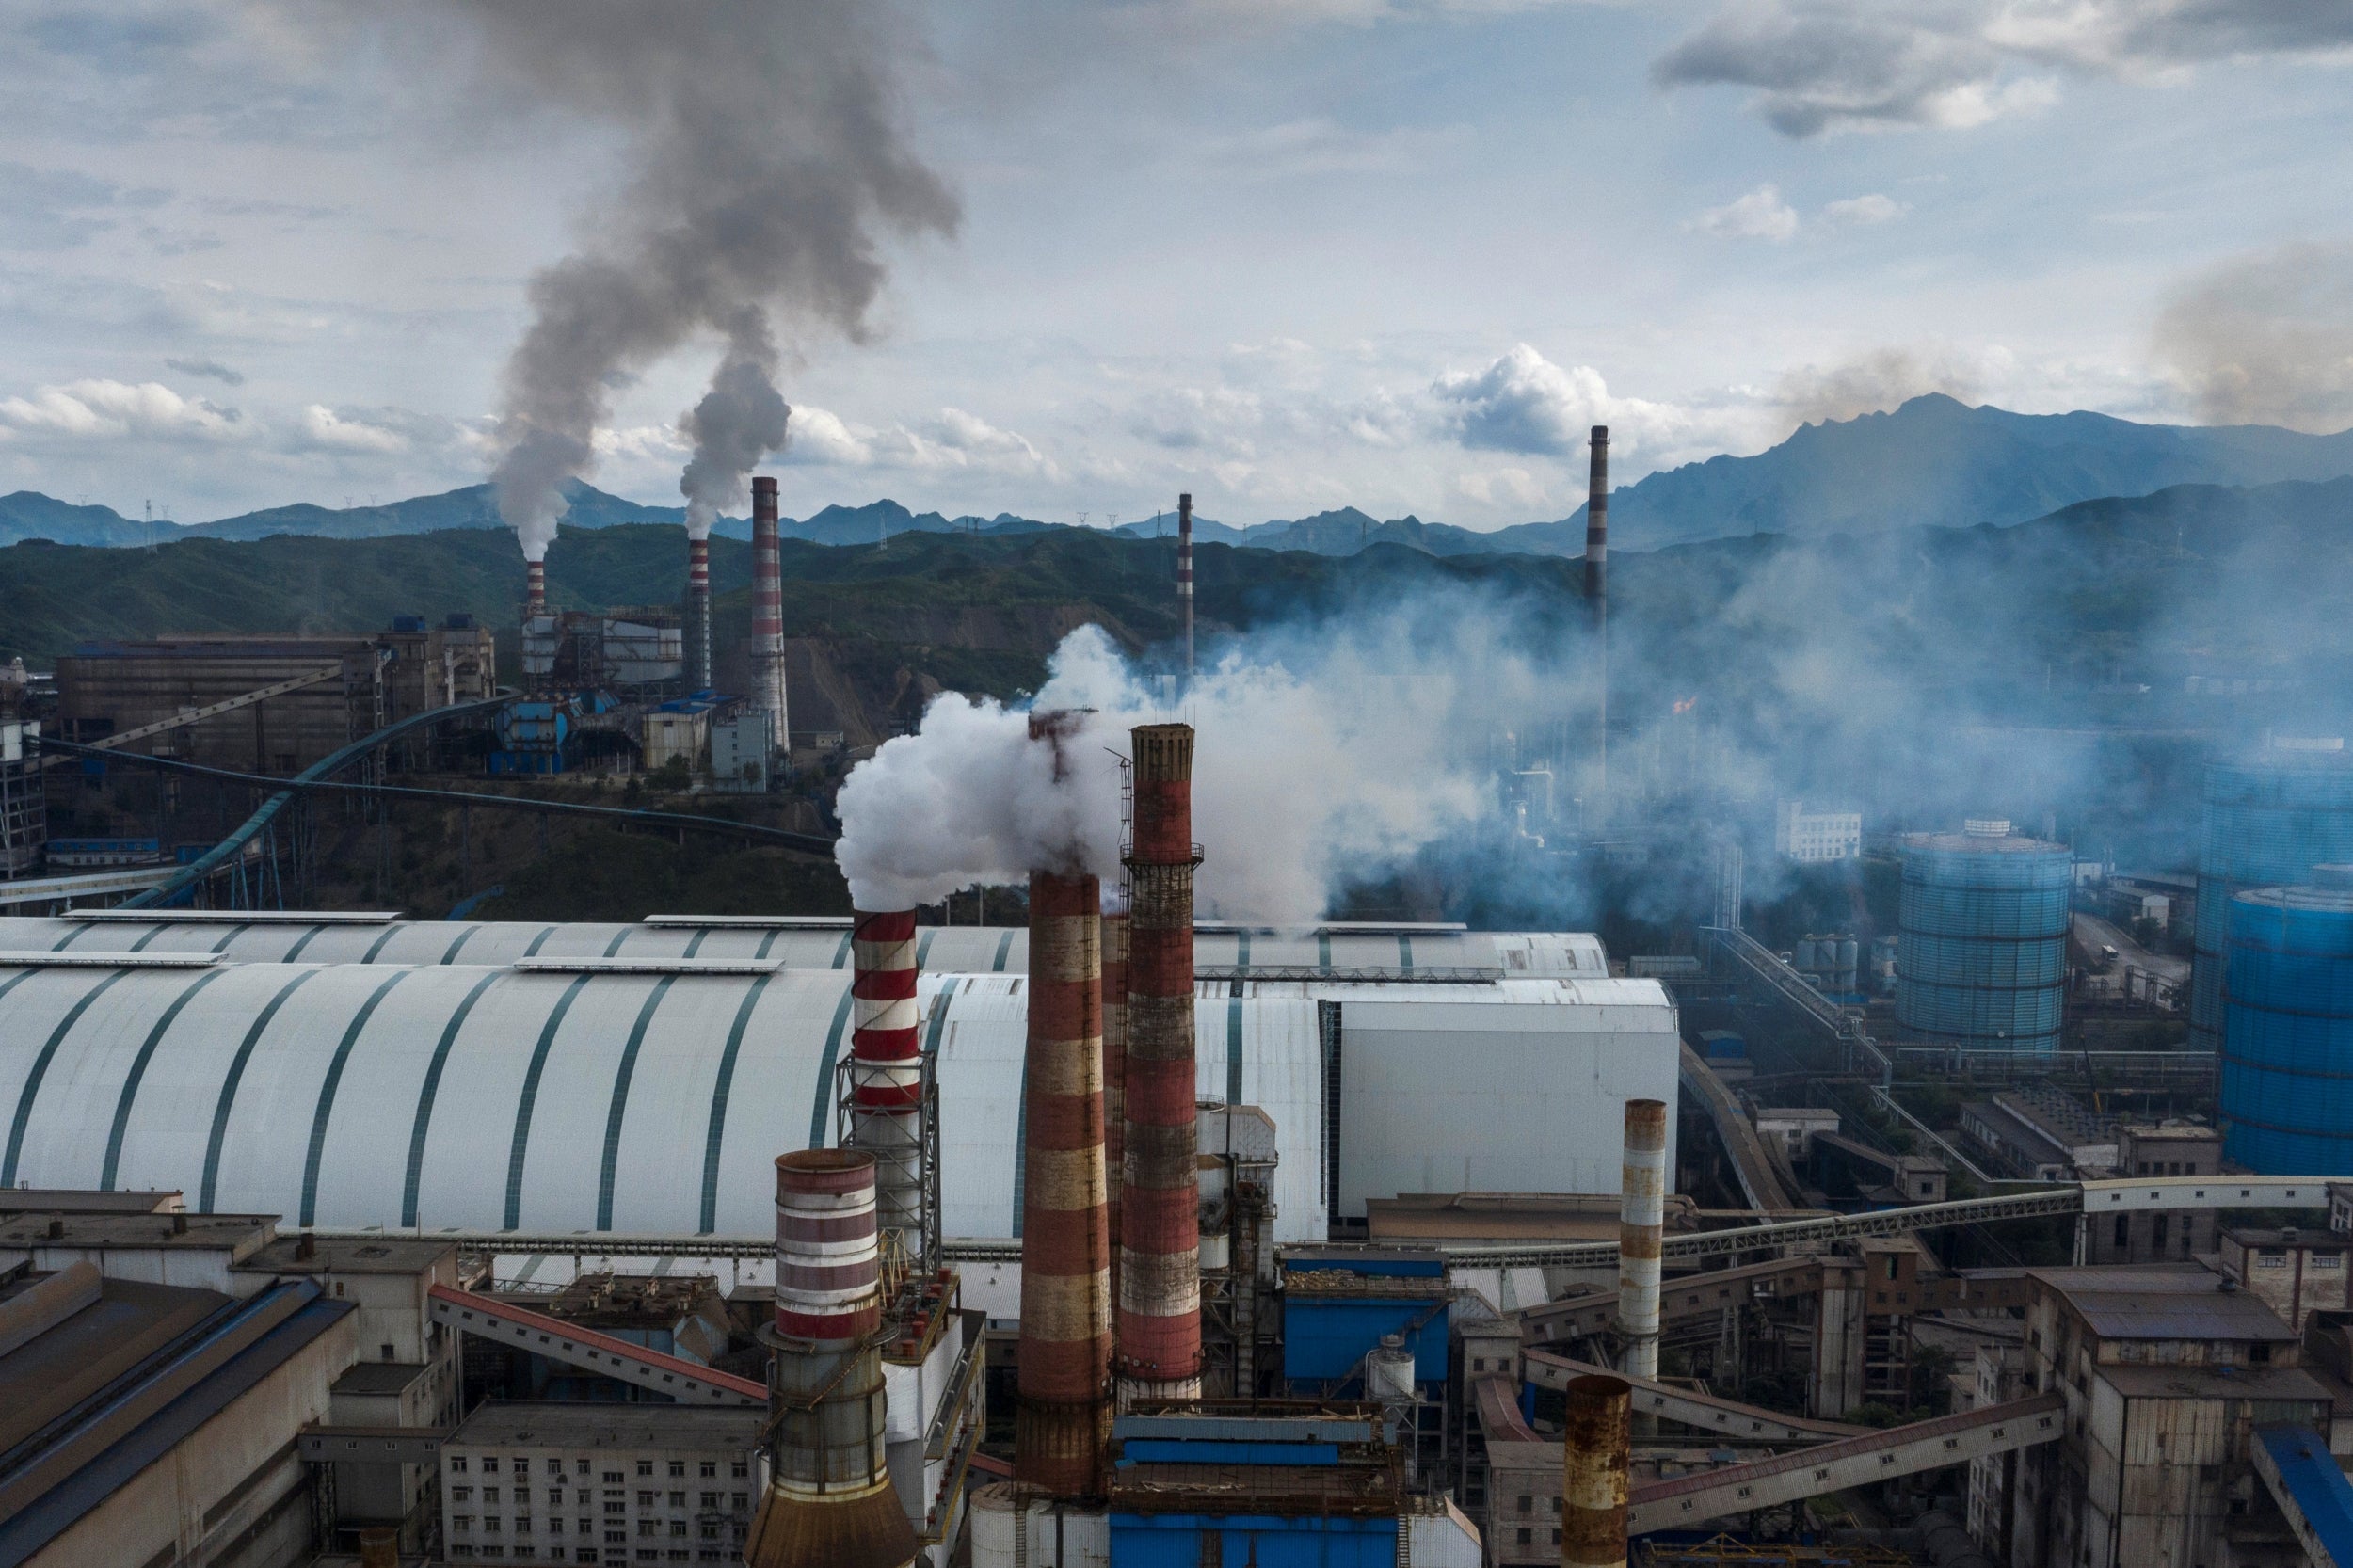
[[1929, 1192]]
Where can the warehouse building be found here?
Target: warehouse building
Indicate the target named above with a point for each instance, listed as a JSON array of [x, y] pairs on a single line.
[[641, 1078]]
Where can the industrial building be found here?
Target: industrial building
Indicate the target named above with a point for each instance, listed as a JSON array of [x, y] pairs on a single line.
[[548, 1077], [1816, 837]]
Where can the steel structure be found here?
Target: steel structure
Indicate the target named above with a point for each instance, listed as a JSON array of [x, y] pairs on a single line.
[[2269, 818], [2287, 1032], [1983, 960]]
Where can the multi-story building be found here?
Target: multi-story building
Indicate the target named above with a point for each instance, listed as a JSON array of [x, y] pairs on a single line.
[[1813, 837], [2295, 1273], [2156, 1235], [600, 1483], [2166, 1372]]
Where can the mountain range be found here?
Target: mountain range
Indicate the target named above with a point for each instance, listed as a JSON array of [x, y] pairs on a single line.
[[1933, 462]]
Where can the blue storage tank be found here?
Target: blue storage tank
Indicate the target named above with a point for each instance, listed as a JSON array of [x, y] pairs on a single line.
[[2269, 820], [1983, 960], [2287, 1029]]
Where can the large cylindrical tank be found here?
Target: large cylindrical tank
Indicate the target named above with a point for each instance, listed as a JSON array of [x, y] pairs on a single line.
[[2269, 818], [1983, 960], [2287, 1029]]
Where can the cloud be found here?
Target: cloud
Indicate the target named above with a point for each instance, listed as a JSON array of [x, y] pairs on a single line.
[[955, 441], [1513, 487], [1761, 214], [1523, 403], [1321, 146], [112, 411], [1861, 211], [56, 209], [211, 370], [1870, 383], [2267, 339], [326, 428], [1820, 65]]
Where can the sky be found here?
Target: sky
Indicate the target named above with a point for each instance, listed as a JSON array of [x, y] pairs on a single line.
[[1286, 255]]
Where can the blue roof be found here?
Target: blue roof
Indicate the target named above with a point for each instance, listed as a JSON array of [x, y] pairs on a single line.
[[2315, 1484]]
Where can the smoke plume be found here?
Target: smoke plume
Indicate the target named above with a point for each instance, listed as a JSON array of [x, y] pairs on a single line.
[[740, 420], [2267, 339], [767, 163], [1320, 755], [1872, 383]]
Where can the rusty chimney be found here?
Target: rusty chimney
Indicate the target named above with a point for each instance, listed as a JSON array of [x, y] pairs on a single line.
[[697, 614], [830, 1502], [768, 614], [1597, 1452], [1642, 1230], [1184, 574], [1063, 1421], [1597, 587], [1159, 1355], [887, 1075]]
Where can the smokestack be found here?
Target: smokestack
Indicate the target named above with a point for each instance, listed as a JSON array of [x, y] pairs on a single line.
[[1159, 1250], [535, 588], [1597, 583], [1184, 574], [1115, 1074], [697, 614], [1597, 1458], [768, 613], [1064, 1422], [1642, 1227], [887, 1075], [830, 1502]]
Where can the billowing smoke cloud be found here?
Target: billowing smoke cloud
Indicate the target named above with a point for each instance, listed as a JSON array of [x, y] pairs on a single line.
[[740, 420], [1323, 752], [1872, 383], [767, 163], [2267, 339]]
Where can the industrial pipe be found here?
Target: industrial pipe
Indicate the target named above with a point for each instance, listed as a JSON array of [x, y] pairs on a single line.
[[1064, 1420], [830, 1502], [1596, 1461], [1642, 1231], [1158, 1354], [887, 1072], [768, 685]]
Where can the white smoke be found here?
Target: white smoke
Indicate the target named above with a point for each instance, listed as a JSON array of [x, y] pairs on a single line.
[[1321, 754]]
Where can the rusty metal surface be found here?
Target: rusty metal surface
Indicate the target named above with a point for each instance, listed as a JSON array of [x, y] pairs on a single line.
[[1597, 1458]]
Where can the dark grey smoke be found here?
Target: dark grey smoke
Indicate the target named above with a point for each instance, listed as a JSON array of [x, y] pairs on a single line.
[[740, 420], [2267, 339], [768, 161], [210, 369]]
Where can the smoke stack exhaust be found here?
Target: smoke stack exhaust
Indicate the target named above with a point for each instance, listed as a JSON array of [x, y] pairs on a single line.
[[535, 588], [830, 1502], [698, 614], [1184, 574], [887, 1075], [1064, 1422], [1158, 1354], [1642, 1230], [768, 614], [1596, 1464]]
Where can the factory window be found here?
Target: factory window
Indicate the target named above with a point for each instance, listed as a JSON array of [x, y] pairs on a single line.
[[490, 1464], [678, 1466], [491, 1524], [645, 1499], [711, 1532], [1526, 1537], [612, 1477], [739, 1499], [586, 1554], [740, 1469], [461, 1494], [646, 1526], [1556, 1505], [2124, 1230], [581, 1466], [678, 1500], [581, 1496], [711, 1499], [461, 1551], [2259, 1353], [388, 1353], [677, 1526], [462, 1524], [1556, 1538], [1528, 1504], [522, 1524], [2163, 1220], [616, 1508], [555, 1496], [527, 1551], [645, 1466], [612, 1536], [709, 1468], [555, 1526], [489, 1493], [458, 1464], [1478, 1364]]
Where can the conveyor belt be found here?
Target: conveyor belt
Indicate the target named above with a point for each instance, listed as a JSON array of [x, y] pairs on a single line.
[[1690, 1500], [1752, 1167], [1685, 1407], [687, 1382]]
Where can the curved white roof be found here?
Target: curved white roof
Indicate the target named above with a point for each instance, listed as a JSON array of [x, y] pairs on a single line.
[[292, 937]]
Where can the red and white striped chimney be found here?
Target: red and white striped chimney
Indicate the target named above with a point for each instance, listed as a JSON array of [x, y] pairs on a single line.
[[768, 613], [887, 1070], [1159, 1355], [535, 588], [1063, 1421], [1184, 573], [830, 1502], [698, 614], [1115, 1074]]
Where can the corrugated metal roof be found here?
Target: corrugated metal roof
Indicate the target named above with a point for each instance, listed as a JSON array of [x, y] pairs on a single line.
[[2165, 1304]]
